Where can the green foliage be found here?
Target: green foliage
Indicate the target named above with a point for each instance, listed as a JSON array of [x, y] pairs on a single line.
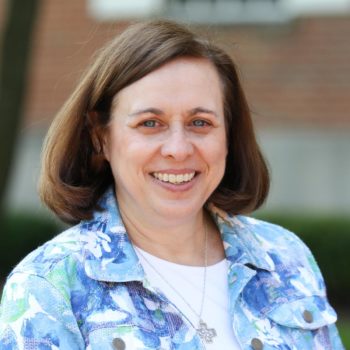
[[22, 233], [344, 332], [329, 240]]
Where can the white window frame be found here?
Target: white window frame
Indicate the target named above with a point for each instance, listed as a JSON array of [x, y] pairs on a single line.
[[106, 10], [226, 11], [211, 11]]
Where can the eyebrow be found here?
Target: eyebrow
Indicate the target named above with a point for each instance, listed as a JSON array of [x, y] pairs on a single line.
[[157, 111], [198, 110], [145, 111]]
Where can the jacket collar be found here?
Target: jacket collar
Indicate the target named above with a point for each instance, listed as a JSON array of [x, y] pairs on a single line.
[[107, 250], [240, 235], [109, 255]]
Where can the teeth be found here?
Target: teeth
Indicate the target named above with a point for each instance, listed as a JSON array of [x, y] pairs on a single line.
[[173, 178]]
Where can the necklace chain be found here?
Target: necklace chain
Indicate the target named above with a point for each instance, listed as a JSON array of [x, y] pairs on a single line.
[[203, 331]]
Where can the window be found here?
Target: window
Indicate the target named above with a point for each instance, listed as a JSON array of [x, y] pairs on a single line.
[[213, 11], [124, 9], [196, 11], [225, 11]]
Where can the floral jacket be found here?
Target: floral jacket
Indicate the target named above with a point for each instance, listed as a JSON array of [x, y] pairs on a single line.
[[86, 289]]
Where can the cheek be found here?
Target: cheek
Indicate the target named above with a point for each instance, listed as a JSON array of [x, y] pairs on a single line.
[[130, 151], [114, 150], [117, 142], [217, 157], [216, 163], [217, 149]]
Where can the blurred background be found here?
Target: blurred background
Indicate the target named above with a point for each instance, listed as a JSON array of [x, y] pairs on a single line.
[[294, 61]]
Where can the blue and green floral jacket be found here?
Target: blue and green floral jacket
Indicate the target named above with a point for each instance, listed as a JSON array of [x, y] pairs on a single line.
[[86, 289]]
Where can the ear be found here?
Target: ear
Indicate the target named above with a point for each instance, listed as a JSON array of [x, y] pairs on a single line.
[[104, 138], [98, 135]]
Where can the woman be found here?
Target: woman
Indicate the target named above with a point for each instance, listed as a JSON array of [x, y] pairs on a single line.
[[154, 159]]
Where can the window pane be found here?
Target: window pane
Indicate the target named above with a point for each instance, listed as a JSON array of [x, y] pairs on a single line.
[[124, 9]]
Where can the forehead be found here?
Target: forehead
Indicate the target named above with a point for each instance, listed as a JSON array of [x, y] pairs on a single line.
[[193, 77]]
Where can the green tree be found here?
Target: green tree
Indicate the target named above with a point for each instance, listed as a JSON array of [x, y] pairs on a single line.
[[14, 62]]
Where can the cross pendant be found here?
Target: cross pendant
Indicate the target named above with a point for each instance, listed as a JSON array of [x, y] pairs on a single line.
[[206, 334]]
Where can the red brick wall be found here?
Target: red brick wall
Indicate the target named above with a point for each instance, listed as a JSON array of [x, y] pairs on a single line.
[[299, 72], [65, 40], [293, 73]]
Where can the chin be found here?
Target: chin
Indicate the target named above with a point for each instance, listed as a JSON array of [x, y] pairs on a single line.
[[178, 210]]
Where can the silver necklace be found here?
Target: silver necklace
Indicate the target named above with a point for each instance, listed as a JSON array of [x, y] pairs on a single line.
[[205, 333]]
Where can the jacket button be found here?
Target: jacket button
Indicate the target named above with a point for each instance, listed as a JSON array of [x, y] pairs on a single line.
[[256, 344], [118, 344], [307, 316]]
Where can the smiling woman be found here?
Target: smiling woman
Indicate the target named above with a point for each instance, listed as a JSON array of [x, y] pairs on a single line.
[[154, 159], [154, 140]]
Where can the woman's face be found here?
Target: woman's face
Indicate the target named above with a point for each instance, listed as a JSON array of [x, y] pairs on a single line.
[[166, 142]]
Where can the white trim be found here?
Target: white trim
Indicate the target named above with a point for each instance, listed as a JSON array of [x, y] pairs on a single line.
[[227, 11], [216, 12], [105, 10], [300, 7]]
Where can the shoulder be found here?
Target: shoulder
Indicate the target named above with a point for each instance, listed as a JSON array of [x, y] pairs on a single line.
[[36, 299], [272, 236], [65, 248], [266, 234], [277, 240], [262, 240], [293, 261], [272, 248], [43, 279]]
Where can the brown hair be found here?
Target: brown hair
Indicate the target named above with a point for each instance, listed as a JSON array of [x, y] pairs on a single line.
[[75, 173]]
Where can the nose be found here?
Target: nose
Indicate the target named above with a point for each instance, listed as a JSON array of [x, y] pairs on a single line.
[[177, 144]]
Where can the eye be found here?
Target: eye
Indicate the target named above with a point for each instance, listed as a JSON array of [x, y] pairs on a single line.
[[149, 123], [200, 123]]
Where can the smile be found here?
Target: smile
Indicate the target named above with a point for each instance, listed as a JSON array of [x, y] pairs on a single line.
[[174, 178]]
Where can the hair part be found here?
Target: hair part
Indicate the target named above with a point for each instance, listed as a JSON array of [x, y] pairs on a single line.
[[74, 171]]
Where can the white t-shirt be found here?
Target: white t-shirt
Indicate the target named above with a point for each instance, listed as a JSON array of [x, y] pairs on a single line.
[[188, 281]]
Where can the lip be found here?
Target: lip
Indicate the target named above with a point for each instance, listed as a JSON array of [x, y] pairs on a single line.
[[176, 171], [176, 187]]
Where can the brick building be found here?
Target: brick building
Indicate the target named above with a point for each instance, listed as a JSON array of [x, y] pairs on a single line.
[[296, 73]]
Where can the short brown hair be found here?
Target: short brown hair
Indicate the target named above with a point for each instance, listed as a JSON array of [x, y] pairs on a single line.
[[75, 173]]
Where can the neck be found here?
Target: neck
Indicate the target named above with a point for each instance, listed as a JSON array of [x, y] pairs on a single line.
[[178, 242]]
